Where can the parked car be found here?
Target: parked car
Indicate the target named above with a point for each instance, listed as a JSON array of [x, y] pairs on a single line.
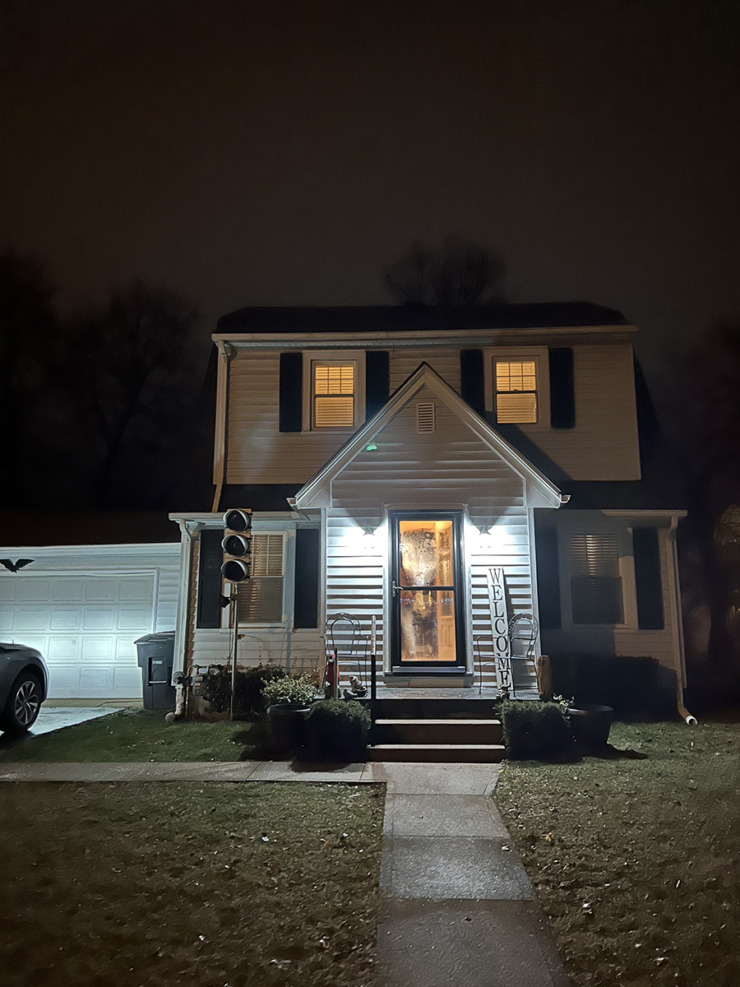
[[24, 683]]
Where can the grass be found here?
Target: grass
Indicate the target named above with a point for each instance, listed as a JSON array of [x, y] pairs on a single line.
[[133, 735], [186, 884], [637, 861]]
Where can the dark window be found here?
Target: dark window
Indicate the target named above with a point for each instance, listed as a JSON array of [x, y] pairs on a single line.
[[595, 585]]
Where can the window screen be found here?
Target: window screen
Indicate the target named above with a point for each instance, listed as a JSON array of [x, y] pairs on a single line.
[[333, 395], [596, 586], [261, 598], [516, 391]]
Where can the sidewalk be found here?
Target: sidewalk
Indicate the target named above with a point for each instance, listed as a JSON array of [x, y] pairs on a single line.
[[456, 905]]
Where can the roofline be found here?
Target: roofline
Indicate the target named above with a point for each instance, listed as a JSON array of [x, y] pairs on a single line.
[[397, 339]]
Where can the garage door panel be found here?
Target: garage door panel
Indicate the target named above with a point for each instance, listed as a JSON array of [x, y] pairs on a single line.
[[32, 620], [102, 590], [99, 620], [96, 649], [68, 590], [6, 620], [7, 589], [130, 619], [66, 619], [63, 649], [32, 590], [136, 590]]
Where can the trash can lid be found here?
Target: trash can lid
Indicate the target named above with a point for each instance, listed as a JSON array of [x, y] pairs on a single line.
[[159, 636]]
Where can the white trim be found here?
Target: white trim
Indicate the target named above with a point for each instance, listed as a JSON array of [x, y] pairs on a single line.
[[539, 491], [185, 588], [134, 550], [533, 577], [223, 378]]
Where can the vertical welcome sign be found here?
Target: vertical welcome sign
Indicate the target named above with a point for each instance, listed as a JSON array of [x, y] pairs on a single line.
[[499, 612]]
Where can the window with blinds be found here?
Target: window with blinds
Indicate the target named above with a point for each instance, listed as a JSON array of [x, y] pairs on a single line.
[[596, 586], [333, 394], [516, 391], [261, 598]]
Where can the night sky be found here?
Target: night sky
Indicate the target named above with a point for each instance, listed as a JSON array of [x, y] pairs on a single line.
[[273, 153]]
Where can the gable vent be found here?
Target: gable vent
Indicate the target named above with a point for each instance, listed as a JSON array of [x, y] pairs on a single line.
[[425, 421]]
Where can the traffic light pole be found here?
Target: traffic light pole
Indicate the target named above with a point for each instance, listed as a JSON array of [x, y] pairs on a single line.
[[235, 644]]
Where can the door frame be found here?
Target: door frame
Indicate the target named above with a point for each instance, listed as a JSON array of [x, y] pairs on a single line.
[[460, 665]]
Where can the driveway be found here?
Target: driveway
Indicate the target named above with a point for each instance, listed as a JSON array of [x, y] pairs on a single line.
[[55, 717]]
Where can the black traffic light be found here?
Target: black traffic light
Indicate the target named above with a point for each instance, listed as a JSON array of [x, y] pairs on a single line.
[[237, 545]]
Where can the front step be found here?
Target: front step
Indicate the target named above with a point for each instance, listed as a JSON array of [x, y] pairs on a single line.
[[439, 753], [454, 731]]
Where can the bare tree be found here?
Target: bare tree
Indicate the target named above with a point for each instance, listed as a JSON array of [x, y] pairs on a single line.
[[454, 274]]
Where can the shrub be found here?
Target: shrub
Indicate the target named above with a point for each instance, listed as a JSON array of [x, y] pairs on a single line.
[[216, 687], [337, 730], [289, 690], [534, 729]]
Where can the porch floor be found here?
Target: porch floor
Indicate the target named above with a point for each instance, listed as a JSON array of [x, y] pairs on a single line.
[[471, 692]]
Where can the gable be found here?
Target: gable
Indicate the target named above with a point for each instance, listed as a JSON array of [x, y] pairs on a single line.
[[462, 456]]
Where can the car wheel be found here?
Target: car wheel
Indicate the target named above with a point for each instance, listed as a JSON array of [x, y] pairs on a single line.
[[24, 703]]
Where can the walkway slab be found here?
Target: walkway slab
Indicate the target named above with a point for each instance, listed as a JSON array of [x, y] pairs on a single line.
[[441, 815], [433, 779], [437, 868], [471, 943]]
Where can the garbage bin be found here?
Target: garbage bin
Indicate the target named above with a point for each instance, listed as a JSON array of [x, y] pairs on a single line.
[[155, 655]]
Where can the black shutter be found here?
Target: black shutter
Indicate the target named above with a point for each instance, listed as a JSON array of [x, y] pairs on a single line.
[[209, 579], [548, 577], [306, 593], [291, 392], [377, 381], [472, 387], [562, 388], [647, 579]]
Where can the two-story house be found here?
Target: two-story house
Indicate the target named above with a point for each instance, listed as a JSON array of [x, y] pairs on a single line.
[[413, 465]]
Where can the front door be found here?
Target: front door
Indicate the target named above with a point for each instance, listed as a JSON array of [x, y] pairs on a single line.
[[426, 591]]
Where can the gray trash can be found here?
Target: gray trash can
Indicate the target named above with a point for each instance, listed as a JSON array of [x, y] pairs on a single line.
[[155, 654]]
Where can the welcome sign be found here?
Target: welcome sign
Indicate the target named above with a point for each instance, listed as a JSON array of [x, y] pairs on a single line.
[[499, 612]]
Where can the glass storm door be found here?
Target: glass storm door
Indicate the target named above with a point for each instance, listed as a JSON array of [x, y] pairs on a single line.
[[426, 591]]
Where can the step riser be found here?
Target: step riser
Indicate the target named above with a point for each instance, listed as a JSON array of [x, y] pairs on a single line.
[[437, 709], [433, 755], [437, 733]]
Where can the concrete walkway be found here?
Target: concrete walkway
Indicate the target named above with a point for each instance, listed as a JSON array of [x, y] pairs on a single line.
[[456, 905]]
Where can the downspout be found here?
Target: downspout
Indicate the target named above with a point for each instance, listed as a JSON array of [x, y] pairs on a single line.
[[226, 351], [673, 572], [188, 532]]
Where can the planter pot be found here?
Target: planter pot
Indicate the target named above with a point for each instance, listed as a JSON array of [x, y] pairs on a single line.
[[287, 723], [591, 724]]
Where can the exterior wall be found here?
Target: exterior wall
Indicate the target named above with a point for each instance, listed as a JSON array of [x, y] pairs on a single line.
[[297, 649], [447, 469], [602, 446], [615, 640]]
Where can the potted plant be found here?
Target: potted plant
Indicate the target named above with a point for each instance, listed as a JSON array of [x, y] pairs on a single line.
[[590, 723], [288, 701]]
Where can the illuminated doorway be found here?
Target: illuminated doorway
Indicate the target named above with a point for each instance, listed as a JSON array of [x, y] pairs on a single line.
[[426, 587]]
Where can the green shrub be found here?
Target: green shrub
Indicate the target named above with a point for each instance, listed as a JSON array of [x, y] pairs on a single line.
[[216, 687], [534, 729], [337, 730], [289, 690]]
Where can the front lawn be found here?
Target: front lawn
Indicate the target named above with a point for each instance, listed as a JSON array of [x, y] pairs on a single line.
[[187, 884], [133, 735], [637, 861]]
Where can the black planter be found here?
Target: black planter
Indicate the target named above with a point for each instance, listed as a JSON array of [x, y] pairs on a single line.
[[287, 723], [591, 724]]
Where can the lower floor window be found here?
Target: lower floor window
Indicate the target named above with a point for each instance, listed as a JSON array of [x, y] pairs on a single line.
[[595, 585], [261, 597]]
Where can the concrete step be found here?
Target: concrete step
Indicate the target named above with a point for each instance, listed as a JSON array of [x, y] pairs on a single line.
[[438, 753], [437, 731], [436, 709]]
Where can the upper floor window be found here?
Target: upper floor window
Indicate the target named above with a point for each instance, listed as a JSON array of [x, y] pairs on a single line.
[[516, 390], [333, 393], [517, 385]]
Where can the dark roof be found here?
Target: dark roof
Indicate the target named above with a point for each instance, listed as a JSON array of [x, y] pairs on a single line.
[[80, 528], [418, 318]]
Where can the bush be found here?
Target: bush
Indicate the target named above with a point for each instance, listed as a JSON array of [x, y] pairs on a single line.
[[534, 729], [289, 690], [337, 730], [215, 687], [632, 686]]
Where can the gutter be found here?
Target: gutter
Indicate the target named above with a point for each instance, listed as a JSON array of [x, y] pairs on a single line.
[[685, 715]]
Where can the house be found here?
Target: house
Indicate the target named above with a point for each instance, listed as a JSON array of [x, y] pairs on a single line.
[[82, 588], [437, 474]]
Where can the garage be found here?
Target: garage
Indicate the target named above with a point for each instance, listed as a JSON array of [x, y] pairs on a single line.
[[84, 605]]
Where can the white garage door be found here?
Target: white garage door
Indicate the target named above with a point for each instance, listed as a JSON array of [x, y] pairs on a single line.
[[84, 625]]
